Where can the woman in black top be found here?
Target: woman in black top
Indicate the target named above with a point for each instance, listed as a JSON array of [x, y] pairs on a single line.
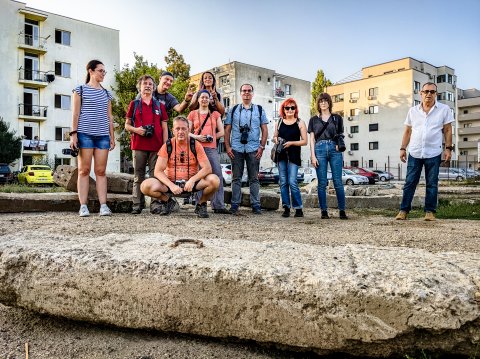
[[294, 132], [324, 130], [207, 82]]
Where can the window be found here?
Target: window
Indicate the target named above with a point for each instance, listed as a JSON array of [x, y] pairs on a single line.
[[465, 139], [353, 129], [467, 125], [224, 80], [441, 78], [450, 79], [288, 89], [441, 96], [449, 96], [370, 163], [416, 102], [62, 37], [61, 161], [372, 93], [465, 112], [226, 101], [354, 147], [373, 145], [354, 112], [354, 95], [61, 133], [416, 86], [337, 98], [373, 127], [62, 101], [373, 109], [62, 69], [354, 163]]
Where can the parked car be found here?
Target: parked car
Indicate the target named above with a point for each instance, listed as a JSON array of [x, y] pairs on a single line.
[[350, 177], [450, 173], [372, 176], [384, 175], [226, 173], [310, 174], [5, 173], [270, 176], [36, 174]]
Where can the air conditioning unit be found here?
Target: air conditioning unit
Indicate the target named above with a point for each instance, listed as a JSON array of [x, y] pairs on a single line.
[[454, 87], [352, 100], [350, 118], [350, 135], [350, 152], [372, 97], [365, 111]]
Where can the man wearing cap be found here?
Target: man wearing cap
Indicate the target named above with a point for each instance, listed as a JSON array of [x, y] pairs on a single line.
[[170, 102]]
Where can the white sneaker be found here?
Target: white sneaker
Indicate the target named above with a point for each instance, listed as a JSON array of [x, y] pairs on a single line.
[[84, 211], [105, 211]]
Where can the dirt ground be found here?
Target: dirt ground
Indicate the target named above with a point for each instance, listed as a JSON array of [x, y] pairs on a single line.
[[52, 338]]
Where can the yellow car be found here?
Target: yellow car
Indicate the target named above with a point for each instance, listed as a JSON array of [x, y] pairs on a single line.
[[36, 174]]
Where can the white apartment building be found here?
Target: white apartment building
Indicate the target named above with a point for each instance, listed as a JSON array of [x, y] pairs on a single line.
[[374, 105], [468, 142], [43, 57], [270, 90]]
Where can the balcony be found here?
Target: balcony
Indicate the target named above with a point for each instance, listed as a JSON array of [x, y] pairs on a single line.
[[34, 146], [469, 130], [469, 116], [275, 115], [33, 44], [467, 144], [34, 78], [32, 112], [279, 93]]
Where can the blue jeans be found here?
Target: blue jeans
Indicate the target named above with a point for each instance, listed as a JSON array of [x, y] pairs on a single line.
[[325, 153], [238, 163], [287, 172], [414, 169]]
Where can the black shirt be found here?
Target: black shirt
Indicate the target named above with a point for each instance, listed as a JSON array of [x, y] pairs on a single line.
[[334, 127], [290, 133]]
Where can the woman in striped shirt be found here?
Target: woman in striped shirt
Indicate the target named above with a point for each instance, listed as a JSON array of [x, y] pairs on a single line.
[[92, 134]]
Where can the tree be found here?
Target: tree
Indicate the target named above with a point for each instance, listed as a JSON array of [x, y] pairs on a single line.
[[181, 72], [10, 145], [318, 86]]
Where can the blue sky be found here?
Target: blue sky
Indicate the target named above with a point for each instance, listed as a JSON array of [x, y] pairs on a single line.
[[295, 38]]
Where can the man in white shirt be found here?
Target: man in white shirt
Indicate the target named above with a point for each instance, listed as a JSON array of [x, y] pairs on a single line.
[[424, 127]]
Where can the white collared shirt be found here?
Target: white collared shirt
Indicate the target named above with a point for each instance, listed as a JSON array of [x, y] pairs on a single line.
[[426, 138]]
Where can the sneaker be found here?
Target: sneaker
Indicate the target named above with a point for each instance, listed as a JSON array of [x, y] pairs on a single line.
[[174, 206], [222, 211], [233, 209], [256, 210], [429, 216], [325, 215], [165, 208], [286, 212], [84, 212], [298, 212], [202, 210], [156, 207], [197, 208], [105, 211], [401, 216], [343, 215]]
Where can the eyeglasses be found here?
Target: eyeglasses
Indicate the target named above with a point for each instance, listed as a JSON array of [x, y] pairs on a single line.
[[182, 157], [247, 91], [323, 101], [431, 92], [101, 71], [288, 108]]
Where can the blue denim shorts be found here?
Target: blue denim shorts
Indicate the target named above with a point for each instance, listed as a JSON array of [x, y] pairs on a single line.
[[90, 141]]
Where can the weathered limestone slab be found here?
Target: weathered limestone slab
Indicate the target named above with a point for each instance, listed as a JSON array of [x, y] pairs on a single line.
[[383, 202], [119, 183], [362, 300], [59, 202], [268, 200]]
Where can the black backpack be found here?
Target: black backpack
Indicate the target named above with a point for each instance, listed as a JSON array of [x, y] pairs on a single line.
[[136, 104], [192, 147]]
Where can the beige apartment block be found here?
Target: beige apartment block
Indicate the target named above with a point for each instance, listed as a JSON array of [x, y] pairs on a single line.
[[270, 90], [468, 142], [43, 58], [374, 105]]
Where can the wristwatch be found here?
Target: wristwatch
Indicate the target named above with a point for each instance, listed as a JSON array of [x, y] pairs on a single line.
[[262, 147], [403, 149], [449, 148]]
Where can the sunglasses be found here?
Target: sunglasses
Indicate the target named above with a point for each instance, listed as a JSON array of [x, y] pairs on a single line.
[[288, 108], [431, 92], [182, 157]]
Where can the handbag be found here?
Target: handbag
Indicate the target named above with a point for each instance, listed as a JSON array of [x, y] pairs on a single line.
[[277, 149]]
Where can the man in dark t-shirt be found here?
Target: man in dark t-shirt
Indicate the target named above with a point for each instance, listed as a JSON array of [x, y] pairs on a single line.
[[162, 94]]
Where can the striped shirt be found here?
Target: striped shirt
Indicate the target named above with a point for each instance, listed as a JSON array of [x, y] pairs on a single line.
[[93, 119]]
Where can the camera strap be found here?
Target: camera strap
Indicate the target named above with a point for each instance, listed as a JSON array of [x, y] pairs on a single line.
[[240, 116], [204, 122]]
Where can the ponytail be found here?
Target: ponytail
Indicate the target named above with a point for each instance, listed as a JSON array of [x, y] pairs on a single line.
[[92, 65]]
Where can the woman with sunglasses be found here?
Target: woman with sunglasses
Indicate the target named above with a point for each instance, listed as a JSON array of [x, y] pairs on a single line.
[[324, 129], [293, 132], [207, 127], [92, 134], [207, 82]]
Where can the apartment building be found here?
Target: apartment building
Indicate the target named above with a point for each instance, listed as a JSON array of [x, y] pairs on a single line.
[[375, 103], [468, 141], [43, 57], [270, 90]]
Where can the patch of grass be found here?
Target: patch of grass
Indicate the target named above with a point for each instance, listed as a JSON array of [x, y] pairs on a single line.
[[21, 188]]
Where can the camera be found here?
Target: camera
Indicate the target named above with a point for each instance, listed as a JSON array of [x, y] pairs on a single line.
[[69, 151], [148, 130], [209, 138], [244, 130], [180, 183], [340, 143], [280, 142]]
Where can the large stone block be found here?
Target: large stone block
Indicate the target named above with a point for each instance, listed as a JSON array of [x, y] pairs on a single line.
[[119, 183], [268, 200], [357, 299], [66, 176]]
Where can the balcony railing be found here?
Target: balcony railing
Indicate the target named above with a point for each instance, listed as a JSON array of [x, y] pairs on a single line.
[[32, 110], [35, 145], [35, 75], [33, 42]]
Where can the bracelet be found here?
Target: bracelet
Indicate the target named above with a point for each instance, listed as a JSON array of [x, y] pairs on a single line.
[[262, 147], [403, 149], [72, 132]]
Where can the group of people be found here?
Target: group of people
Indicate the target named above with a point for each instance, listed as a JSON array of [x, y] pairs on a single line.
[[188, 163]]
